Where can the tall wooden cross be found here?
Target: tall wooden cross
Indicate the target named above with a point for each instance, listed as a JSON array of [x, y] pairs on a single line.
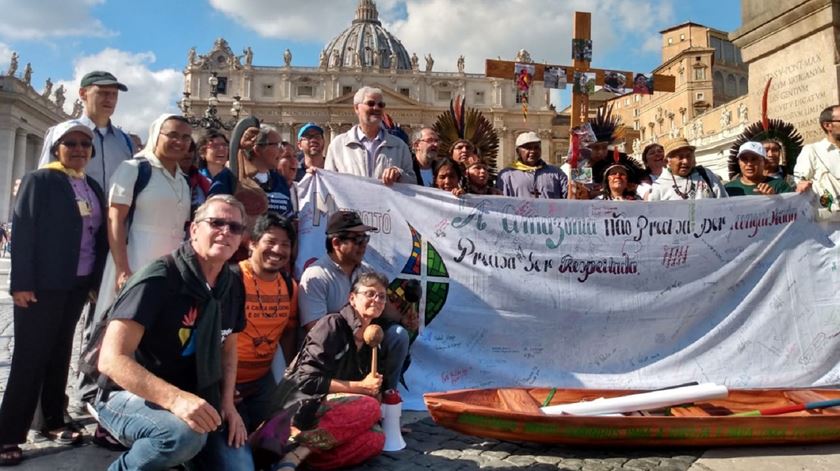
[[582, 30]]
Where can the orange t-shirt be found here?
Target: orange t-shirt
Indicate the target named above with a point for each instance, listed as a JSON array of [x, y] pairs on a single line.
[[269, 311]]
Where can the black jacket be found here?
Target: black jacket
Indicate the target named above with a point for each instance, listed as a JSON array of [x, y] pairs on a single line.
[[48, 233]]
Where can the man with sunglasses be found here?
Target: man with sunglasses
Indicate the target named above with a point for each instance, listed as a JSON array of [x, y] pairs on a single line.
[[817, 168], [325, 287], [366, 149], [171, 350]]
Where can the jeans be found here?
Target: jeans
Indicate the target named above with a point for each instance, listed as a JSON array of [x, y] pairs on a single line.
[[395, 348], [158, 439], [217, 455]]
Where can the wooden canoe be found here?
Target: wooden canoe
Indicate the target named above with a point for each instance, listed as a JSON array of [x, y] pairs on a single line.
[[514, 414]]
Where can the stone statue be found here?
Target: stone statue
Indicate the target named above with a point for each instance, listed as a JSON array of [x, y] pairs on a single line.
[[249, 56], [336, 59], [461, 64], [637, 146], [377, 59], [698, 129], [725, 119], [13, 64], [27, 73], [358, 59], [47, 88], [191, 57], [59, 96], [742, 113], [77, 109], [523, 57], [393, 61], [287, 57], [429, 62], [415, 61], [322, 60]]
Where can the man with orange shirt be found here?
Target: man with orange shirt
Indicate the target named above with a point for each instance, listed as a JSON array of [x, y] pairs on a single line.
[[270, 314]]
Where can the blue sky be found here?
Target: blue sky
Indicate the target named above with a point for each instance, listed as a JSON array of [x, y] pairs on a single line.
[[145, 43]]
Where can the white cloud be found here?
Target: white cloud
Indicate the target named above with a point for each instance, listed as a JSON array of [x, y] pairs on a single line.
[[478, 29], [5, 57], [150, 92], [49, 19]]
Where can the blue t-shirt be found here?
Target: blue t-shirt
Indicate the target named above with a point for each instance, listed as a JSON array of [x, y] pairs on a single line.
[[278, 193], [224, 183]]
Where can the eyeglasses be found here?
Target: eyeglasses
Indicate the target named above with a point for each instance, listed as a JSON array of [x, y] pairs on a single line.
[[234, 227], [310, 137], [372, 294], [357, 239], [74, 144], [372, 103], [177, 136]]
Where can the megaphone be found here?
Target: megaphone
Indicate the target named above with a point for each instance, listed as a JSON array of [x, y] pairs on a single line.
[[391, 411]]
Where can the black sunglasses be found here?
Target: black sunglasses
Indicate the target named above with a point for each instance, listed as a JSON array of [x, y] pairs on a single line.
[[234, 227], [372, 103], [357, 239]]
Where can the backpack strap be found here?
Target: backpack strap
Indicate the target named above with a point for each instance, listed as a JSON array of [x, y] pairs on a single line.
[[144, 174]]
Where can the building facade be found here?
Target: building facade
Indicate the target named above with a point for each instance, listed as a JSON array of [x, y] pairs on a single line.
[[416, 92], [25, 116], [708, 106]]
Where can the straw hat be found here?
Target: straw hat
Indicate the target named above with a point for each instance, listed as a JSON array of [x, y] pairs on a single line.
[[677, 144]]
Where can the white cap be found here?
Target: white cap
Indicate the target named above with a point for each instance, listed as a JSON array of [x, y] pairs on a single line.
[[754, 147], [64, 128], [527, 138]]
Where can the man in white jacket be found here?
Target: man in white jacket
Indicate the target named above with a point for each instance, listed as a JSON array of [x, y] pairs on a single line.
[[366, 149], [682, 178]]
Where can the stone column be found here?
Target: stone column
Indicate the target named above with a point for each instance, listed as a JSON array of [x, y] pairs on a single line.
[[7, 158], [19, 166]]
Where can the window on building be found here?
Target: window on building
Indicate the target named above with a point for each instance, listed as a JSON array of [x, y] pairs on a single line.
[[743, 89], [444, 95], [670, 41], [682, 37], [637, 112], [638, 97], [305, 90], [222, 87], [479, 97], [345, 90], [730, 89], [700, 73], [405, 92], [636, 125], [267, 90], [700, 96]]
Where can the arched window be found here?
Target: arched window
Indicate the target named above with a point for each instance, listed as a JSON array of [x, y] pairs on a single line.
[[742, 86], [731, 88], [718, 84]]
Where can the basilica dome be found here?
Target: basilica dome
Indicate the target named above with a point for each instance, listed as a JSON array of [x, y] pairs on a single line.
[[366, 44]]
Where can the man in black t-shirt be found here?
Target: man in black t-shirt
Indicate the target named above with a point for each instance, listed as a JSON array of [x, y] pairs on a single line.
[[171, 348]]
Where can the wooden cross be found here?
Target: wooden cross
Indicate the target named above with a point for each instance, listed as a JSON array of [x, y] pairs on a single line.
[[582, 29]]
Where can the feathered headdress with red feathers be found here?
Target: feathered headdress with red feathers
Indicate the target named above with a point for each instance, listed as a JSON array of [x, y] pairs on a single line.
[[461, 122]]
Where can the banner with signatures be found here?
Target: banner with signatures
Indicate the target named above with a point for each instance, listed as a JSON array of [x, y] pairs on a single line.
[[739, 291]]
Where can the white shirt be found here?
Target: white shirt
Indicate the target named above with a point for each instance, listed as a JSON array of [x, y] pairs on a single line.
[[669, 187]]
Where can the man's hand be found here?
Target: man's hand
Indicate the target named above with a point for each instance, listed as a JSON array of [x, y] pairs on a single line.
[[121, 278], [196, 412], [23, 298], [764, 189], [391, 175], [237, 434], [803, 186], [371, 384]]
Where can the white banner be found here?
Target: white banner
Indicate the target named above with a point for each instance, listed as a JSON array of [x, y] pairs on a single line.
[[739, 291]]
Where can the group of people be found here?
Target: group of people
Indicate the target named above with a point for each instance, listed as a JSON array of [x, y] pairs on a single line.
[[180, 254]]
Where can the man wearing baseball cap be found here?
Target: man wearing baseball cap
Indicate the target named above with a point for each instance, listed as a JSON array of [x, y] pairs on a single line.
[[99, 92], [682, 178], [310, 139], [751, 180], [325, 287], [529, 176]]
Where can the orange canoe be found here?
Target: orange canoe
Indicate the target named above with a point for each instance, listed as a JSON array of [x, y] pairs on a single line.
[[514, 414]]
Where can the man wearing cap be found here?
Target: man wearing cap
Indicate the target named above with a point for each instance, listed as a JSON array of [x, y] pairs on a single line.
[[424, 142], [752, 181], [99, 92], [311, 143], [325, 287], [682, 178], [529, 176], [366, 149], [818, 165]]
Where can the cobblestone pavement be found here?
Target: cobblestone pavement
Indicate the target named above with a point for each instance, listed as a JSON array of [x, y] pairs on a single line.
[[428, 445]]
